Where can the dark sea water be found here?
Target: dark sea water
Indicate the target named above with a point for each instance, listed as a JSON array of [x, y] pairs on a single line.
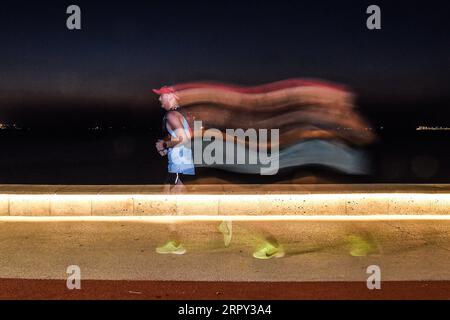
[[128, 157]]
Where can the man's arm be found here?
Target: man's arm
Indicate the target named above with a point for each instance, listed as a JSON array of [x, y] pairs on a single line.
[[177, 126]]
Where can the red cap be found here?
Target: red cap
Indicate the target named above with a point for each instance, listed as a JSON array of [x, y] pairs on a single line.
[[164, 90]]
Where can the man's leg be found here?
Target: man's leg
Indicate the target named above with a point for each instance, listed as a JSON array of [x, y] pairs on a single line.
[[178, 185], [173, 246]]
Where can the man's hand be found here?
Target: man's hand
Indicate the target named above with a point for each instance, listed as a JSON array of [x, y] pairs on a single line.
[[160, 147]]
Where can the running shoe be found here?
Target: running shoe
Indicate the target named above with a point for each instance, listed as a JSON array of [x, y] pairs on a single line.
[[269, 251], [226, 228], [171, 247]]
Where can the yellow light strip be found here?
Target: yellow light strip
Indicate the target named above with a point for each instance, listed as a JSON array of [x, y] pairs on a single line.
[[194, 218], [239, 197]]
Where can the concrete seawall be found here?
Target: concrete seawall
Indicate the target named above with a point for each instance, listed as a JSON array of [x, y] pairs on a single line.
[[225, 200]]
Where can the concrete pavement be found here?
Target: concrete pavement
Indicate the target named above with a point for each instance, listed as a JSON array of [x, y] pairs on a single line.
[[316, 251]]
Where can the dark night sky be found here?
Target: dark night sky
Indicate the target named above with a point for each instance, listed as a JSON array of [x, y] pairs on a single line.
[[104, 72]]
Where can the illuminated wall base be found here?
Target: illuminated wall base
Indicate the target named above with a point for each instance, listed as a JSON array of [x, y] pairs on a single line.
[[242, 202]]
